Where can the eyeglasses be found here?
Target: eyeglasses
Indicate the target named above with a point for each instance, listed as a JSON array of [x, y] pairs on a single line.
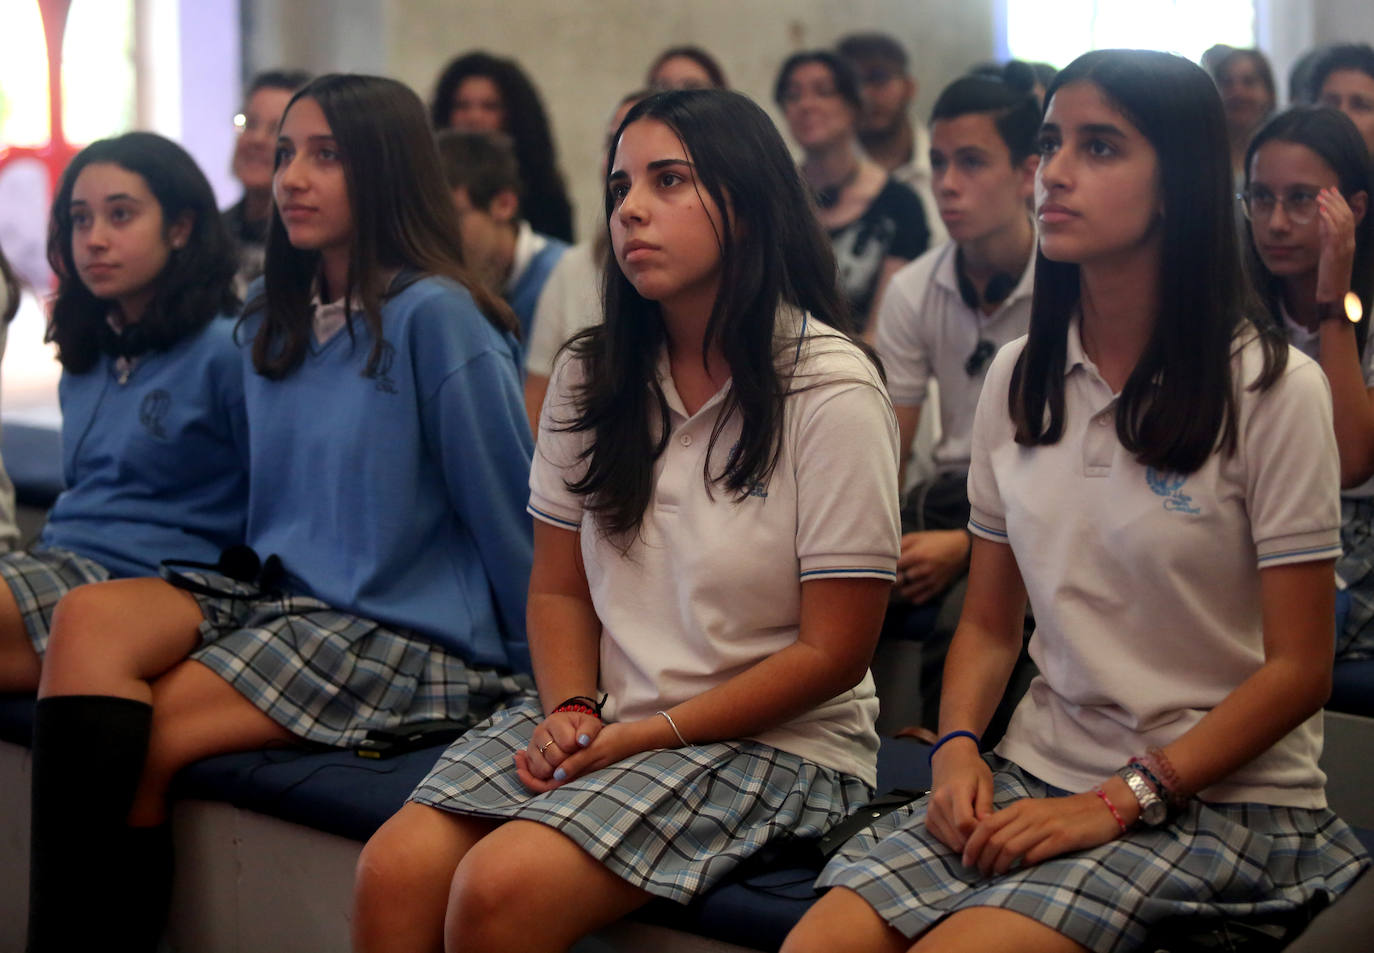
[[1300, 205]]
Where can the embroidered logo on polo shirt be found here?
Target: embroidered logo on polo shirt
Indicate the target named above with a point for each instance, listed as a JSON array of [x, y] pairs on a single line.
[[382, 372], [1170, 486], [756, 488], [153, 411]]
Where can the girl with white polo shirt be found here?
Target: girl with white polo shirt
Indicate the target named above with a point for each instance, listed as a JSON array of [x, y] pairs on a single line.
[[714, 492], [1307, 191], [388, 459], [1159, 476]]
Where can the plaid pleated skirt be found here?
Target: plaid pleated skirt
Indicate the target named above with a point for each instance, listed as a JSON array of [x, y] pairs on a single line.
[[328, 676], [1224, 860], [671, 822], [39, 578]]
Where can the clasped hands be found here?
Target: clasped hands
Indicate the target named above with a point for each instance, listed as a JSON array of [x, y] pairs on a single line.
[[960, 814], [569, 744]]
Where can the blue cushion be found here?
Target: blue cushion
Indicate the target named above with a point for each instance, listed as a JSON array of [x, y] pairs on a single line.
[[33, 459], [1352, 687]]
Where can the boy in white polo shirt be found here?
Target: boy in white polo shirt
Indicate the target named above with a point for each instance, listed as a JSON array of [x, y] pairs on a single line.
[[942, 318]]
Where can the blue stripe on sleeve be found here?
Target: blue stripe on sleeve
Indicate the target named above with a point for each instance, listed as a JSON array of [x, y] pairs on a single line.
[[550, 518]]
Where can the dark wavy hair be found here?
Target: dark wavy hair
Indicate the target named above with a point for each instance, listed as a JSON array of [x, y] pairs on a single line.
[[697, 55], [1333, 137], [195, 285], [403, 218], [845, 77], [773, 253], [1343, 56], [10, 283], [1179, 404], [544, 198], [1014, 112]]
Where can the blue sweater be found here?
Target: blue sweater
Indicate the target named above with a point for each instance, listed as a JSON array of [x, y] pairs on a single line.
[[156, 467], [524, 297], [400, 496]]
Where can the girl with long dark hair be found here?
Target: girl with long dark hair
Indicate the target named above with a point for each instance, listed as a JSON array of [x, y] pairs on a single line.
[[715, 499], [479, 92], [386, 580], [1308, 183], [154, 441], [1158, 474]]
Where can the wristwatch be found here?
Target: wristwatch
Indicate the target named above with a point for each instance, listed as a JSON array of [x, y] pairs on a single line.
[[1348, 307], [1153, 810]]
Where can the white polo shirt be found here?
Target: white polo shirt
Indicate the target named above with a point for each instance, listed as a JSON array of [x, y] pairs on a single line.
[[570, 301], [926, 330], [1146, 584], [713, 585]]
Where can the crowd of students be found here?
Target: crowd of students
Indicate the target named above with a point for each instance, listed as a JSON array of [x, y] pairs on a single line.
[[630, 509]]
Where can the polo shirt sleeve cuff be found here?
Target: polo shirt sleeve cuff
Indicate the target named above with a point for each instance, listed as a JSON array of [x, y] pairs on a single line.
[[555, 514], [1299, 548], [983, 524], [849, 566]]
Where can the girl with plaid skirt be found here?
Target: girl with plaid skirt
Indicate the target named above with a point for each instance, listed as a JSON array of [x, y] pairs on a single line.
[[1308, 185], [389, 458], [154, 440], [1159, 476], [714, 493]]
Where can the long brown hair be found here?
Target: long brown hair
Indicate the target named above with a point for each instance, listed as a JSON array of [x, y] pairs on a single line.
[[403, 218]]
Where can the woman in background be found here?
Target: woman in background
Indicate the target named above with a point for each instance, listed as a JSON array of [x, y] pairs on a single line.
[[479, 92]]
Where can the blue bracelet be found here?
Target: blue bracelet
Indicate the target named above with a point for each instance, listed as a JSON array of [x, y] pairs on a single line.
[[961, 733]]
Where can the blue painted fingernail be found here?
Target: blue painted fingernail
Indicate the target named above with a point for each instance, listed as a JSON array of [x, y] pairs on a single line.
[[584, 740], [560, 775]]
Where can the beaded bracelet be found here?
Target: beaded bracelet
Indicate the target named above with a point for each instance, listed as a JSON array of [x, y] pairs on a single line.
[[582, 704], [950, 736], [1164, 768], [1116, 815]]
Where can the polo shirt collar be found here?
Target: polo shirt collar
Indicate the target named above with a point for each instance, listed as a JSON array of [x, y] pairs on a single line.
[[790, 324], [946, 278], [1074, 355]]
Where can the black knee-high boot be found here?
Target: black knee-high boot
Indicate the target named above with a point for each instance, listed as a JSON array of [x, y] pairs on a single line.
[[88, 755], [146, 893]]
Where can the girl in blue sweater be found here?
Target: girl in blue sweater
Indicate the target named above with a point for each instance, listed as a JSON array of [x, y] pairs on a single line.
[[154, 444], [389, 454]]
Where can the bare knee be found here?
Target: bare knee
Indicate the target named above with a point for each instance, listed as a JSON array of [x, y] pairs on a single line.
[[401, 882], [842, 920], [107, 636]]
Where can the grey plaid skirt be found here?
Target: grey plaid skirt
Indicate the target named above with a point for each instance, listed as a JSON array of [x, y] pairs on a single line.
[[1231, 860], [671, 822], [329, 676], [39, 578]]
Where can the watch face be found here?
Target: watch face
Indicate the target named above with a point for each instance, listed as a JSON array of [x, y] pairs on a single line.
[[1153, 813]]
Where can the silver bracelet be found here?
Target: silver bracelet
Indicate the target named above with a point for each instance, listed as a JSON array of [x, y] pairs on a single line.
[[673, 725]]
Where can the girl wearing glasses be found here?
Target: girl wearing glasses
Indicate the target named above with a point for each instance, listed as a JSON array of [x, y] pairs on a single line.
[[1312, 245]]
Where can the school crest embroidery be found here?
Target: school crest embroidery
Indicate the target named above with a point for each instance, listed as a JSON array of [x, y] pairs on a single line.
[[381, 374], [153, 411], [1170, 486]]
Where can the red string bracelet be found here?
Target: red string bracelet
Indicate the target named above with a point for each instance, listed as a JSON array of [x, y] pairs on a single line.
[[1111, 807]]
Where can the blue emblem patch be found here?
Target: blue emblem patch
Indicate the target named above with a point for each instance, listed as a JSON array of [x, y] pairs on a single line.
[[1170, 486]]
